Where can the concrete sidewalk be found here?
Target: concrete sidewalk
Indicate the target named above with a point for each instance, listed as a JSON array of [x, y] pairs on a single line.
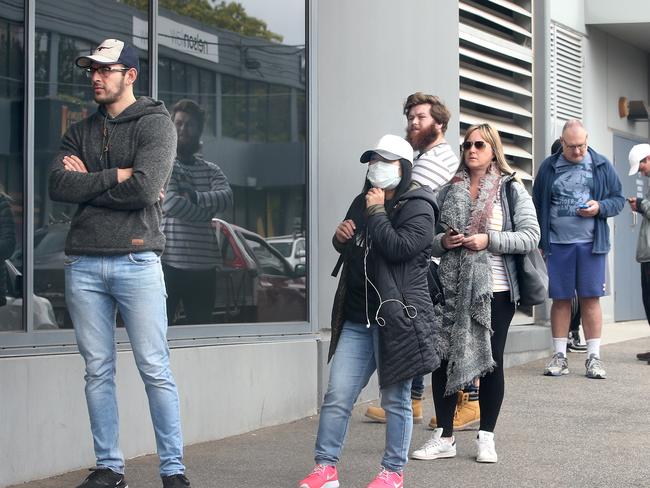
[[552, 432]]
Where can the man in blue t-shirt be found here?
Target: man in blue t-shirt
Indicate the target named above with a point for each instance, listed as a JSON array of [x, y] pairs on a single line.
[[575, 191]]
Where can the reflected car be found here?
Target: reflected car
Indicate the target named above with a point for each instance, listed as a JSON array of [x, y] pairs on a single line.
[[49, 280], [255, 283], [11, 313], [291, 247]]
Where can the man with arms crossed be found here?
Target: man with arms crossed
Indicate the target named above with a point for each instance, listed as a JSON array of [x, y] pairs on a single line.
[[575, 192], [114, 165]]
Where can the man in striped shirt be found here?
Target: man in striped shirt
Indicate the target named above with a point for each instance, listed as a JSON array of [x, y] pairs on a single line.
[[197, 191], [435, 164], [427, 118]]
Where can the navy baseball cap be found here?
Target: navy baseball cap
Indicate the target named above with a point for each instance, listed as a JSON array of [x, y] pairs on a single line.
[[111, 51]]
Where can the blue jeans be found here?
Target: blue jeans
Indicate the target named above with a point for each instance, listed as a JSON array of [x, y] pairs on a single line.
[[355, 360], [417, 388], [96, 288]]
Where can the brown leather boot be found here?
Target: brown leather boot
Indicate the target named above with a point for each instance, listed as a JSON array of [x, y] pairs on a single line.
[[417, 411], [466, 415], [377, 414]]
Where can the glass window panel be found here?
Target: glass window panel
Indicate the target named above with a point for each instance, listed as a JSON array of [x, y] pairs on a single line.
[[244, 76], [208, 100], [64, 31], [11, 164]]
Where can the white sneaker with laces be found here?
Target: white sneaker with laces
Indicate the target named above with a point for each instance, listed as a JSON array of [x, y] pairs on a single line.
[[595, 368], [487, 452], [557, 366], [437, 447]]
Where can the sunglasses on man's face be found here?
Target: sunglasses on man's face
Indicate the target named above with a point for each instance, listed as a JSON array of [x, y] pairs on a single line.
[[477, 144]]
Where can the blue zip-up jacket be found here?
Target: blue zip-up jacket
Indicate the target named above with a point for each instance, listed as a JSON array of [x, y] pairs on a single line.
[[607, 192]]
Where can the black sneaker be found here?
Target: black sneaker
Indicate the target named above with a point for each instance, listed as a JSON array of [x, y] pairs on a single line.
[[104, 478], [175, 481], [573, 345]]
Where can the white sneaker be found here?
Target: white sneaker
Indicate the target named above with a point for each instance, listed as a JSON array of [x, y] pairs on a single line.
[[487, 452], [595, 367], [557, 366], [437, 447]]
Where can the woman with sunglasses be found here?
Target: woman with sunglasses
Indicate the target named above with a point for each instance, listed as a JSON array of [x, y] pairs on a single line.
[[382, 312], [477, 270]]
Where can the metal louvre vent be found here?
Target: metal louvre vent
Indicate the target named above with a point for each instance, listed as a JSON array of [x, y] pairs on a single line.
[[566, 76], [496, 73]]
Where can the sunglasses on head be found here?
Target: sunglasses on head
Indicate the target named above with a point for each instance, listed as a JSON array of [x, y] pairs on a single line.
[[478, 144]]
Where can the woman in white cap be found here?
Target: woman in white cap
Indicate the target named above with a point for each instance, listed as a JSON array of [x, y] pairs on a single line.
[[639, 159], [382, 313]]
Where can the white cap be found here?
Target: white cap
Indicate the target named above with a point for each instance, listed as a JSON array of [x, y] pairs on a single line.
[[111, 51], [390, 147], [637, 154]]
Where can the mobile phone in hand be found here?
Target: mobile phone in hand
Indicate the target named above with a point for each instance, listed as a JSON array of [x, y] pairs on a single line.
[[583, 206], [449, 228]]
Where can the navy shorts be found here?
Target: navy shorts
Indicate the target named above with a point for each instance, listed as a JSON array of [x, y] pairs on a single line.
[[574, 268]]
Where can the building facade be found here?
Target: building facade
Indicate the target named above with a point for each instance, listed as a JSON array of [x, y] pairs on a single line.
[[290, 104]]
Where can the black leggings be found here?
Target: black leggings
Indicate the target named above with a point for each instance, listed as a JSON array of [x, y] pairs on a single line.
[[492, 384]]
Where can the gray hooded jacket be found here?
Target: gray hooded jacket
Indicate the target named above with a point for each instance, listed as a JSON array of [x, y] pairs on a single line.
[[643, 244], [116, 218]]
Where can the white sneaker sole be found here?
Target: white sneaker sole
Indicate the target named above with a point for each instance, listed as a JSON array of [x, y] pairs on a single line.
[[486, 459], [431, 457], [561, 373], [596, 376]]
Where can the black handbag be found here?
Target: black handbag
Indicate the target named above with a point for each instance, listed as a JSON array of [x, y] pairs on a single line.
[[532, 275]]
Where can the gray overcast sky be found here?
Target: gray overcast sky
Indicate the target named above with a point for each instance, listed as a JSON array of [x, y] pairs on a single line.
[[285, 17]]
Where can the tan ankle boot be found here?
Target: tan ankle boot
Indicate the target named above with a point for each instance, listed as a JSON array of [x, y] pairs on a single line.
[[377, 414], [466, 415], [417, 411]]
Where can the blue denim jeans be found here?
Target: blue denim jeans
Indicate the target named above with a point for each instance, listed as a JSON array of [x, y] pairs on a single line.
[[355, 360], [417, 388], [96, 288]]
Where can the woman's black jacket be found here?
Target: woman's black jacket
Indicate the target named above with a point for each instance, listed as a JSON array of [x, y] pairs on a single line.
[[398, 263]]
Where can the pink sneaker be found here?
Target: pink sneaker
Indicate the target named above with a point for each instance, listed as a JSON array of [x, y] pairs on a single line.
[[387, 479], [322, 476]]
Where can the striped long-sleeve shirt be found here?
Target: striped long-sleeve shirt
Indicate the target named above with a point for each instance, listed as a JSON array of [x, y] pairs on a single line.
[[435, 167], [191, 241]]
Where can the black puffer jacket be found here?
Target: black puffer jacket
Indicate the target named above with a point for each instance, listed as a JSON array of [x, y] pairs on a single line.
[[398, 262]]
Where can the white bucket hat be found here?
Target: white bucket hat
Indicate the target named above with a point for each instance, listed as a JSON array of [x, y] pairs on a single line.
[[637, 154], [390, 147]]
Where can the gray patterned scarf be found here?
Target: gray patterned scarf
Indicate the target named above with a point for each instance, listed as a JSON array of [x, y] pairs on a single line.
[[463, 323]]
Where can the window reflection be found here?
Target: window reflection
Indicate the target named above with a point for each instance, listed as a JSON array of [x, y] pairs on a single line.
[[11, 166], [64, 31], [243, 64], [220, 263]]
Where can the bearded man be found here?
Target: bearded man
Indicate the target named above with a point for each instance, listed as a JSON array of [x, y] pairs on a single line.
[[435, 164], [114, 164], [197, 192], [427, 118]]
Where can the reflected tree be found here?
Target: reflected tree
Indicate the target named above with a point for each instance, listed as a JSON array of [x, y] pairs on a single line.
[[231, 16]]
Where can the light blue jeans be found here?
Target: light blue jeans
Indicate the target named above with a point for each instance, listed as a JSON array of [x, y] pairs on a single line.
[[96, 287], [355, 360]]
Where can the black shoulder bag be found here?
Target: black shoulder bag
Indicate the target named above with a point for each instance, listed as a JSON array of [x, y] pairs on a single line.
[[532, 276]]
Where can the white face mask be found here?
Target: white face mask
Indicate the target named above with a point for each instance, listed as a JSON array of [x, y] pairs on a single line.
[[384, 175]]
